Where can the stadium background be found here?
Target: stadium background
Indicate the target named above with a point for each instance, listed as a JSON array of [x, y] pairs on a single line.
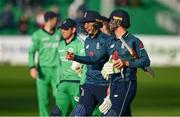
[[154, 19]]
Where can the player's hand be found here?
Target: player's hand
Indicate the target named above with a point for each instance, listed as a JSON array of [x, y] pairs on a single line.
[[107, 70], [77, 67], [118, 64], [70, 56], [106, 105], [33, 73]]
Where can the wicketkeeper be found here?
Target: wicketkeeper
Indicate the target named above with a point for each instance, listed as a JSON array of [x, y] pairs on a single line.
[[122, 84]]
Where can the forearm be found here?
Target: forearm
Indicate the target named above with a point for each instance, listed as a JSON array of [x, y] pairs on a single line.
[[139, 63], [31, 59], [86, 59]]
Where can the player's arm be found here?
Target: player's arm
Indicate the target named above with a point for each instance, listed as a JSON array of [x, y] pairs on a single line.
[[86, 59], [142, 59], [31, 56], [90, 59]]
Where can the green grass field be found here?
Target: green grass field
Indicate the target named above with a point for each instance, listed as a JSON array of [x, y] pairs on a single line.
[[155, 97]]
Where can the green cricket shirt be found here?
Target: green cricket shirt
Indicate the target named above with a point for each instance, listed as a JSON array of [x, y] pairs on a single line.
[[46, 45], [77, 47]]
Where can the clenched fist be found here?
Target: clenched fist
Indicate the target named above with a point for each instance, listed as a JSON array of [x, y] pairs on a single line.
[[70, 56]]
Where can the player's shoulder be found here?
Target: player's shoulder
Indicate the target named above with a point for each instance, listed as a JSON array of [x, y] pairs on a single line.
[[133, 38], [104, 36], [78, 40], [57, 32], [37, 32]]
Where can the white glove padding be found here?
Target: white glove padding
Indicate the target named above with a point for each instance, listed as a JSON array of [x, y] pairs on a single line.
[[108, 69], [106, 105], [76, 67]]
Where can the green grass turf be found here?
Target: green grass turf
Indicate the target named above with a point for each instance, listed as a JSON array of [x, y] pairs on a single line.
[[157, 96]]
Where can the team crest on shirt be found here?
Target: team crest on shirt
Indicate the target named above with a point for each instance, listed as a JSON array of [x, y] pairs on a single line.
[[71, 50], [98, 46], [45, 39], [87, 46], [91, 53]]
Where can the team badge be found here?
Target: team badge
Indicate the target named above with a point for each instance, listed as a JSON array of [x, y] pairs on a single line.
[[91, 53], [71, 50]]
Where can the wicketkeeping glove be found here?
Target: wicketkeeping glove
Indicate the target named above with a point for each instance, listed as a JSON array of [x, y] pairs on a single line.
[[106, 105], [108, 69]]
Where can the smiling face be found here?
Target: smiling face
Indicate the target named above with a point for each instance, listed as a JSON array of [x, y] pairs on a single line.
[[89, 27], [68, 33]]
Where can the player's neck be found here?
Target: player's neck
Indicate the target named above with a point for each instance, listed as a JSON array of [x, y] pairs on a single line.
[[48, 29], [120, 32], [69, 39]]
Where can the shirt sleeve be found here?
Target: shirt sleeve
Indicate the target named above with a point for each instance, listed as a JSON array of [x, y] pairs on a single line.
[[142, 60], [90, 60], [32, 51]]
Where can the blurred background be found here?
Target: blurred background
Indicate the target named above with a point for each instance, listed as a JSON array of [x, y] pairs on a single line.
[[155, 22]]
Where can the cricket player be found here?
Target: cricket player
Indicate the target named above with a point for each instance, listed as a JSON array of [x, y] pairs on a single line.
[[124, 84], [70, 71], [94, 89], [45, 41]]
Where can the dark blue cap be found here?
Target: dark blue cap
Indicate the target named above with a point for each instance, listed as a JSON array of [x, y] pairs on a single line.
[[121, 15], [91, 16], [49, 15], [67, 23]]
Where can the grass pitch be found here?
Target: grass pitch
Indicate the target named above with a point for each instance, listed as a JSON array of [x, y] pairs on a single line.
[[159, 96]]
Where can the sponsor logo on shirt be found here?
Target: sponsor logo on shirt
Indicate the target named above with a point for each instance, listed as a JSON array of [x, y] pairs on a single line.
[[112, 46], [87, 46], [50, 45], [45, 39], [61, 50], [98, 46]]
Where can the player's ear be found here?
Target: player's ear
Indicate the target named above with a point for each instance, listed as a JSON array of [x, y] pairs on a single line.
[[74, 30]]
